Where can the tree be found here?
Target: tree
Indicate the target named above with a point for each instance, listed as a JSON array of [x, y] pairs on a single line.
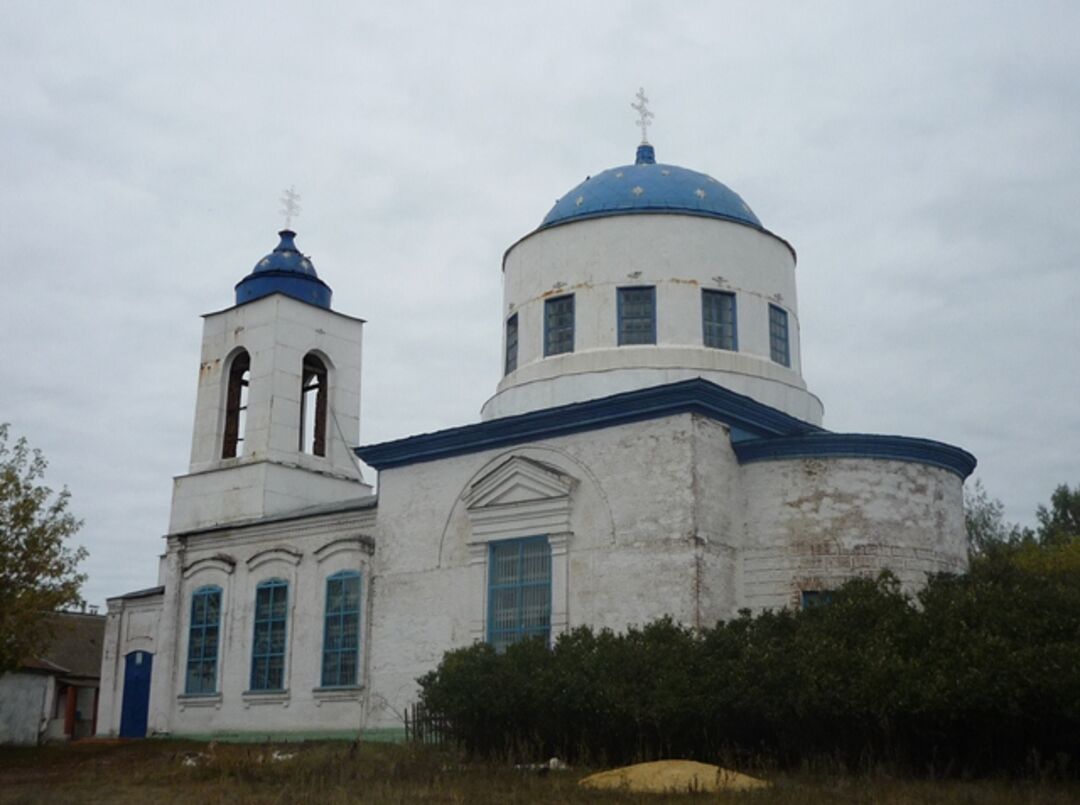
[[38, 569], [985, 523], [1060, 524]]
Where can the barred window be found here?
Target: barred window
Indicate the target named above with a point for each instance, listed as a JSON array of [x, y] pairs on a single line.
[[778, 335], [559, 325], [341, 630], [268, 647], [511, 344], [203, 639], [636, 310], [519, 591], [718, 319]]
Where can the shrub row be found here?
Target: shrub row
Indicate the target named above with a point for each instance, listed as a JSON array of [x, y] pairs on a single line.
[[977, 673]]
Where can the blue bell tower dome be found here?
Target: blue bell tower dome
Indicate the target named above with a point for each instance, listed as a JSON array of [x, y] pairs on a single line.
[[650, 187], [285, 270]]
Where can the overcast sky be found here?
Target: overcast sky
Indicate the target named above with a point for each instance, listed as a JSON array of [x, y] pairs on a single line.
[[922, 158]]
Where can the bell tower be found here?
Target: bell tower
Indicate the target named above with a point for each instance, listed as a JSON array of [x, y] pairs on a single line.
[[278, 405]]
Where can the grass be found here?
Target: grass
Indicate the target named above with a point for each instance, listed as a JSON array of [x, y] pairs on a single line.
[[205, 774]]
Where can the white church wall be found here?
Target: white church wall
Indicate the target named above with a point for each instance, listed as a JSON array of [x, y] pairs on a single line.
[[304, 553], [629, 534], [131, 624], [813, 523], [678, 255]]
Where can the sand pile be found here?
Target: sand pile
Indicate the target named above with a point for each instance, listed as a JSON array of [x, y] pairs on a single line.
[[665, 776]]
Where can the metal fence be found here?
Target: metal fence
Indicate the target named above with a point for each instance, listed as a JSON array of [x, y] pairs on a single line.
[[425, 727]]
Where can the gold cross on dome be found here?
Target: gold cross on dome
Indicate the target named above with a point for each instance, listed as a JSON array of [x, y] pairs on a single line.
[[644, 115], [290, 205]]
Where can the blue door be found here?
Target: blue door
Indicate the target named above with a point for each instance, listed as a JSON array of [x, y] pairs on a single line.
[[136, 704]]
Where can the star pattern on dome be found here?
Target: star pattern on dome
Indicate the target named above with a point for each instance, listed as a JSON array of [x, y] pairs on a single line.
[[579, 201], [665, 172], [618, 175], [265, 261], [638, 190], [699, 193]]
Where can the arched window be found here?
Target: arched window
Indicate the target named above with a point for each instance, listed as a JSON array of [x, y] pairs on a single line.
[[268, 648], [236, 403], [341, 630], [203, 639], [313, 394]]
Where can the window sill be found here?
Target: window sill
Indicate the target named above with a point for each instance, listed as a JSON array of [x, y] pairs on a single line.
[[344, 693], [251, 697], [187, 700]]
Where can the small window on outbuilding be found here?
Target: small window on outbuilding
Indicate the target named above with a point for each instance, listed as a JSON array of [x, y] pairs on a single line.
[[559, 325], [313, 406], [511, 344], [636, 311], [236, 404], [779, 348], [718, 319]]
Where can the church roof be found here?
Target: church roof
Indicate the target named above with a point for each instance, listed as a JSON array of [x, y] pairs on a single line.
[[650, 187], [758, 431], [285, 270]]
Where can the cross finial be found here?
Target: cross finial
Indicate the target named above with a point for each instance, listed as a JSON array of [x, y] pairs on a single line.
[[290, 205], [644, 115]]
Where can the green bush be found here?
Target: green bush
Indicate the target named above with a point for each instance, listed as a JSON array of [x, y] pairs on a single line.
[[976, 673]]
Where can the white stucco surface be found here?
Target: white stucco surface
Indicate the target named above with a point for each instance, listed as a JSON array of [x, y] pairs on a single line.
[[24, 707]]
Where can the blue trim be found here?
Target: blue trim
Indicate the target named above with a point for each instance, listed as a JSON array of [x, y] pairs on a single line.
[[758, 432], [687, 396], [857, 445], [285, 270]]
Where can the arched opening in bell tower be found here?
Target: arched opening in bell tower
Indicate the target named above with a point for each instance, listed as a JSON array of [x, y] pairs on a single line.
[[313, 405]]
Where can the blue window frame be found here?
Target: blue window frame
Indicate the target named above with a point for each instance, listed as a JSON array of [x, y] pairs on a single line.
[[268, 647], [341, 630], [511, 344], [559, 325], [718, 319], [778, 336], [204, 635], [636, 311], [519, 591]]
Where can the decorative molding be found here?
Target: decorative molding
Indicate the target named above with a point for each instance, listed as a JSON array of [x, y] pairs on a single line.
[[199, 700], [260, 697], [289, 555], [222, 561], [361, 543], [521, 497], [352, 693]]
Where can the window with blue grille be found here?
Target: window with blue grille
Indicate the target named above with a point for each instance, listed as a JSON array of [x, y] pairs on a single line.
[[778, 335], [636, 311], [511, 344], [203, 639], [519, 591], [815, 598], [341, 630], [268, 648], [718, 319], [559, 325]]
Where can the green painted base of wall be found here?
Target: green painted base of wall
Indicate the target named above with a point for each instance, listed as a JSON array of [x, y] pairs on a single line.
[[384, 735]]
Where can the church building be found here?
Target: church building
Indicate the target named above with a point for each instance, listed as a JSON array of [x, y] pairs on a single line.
[[651, 449]]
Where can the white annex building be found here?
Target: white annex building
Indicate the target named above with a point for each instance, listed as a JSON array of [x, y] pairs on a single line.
[[652, 449]]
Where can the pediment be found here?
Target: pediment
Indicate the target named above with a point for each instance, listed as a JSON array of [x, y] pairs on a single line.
[[518, 480]]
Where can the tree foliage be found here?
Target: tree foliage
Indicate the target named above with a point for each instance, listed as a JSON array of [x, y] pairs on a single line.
[[977, 673], [38, 569]]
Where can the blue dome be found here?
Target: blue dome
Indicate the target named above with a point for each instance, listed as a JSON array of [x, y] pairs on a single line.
[[285, 270], [647, 186]]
